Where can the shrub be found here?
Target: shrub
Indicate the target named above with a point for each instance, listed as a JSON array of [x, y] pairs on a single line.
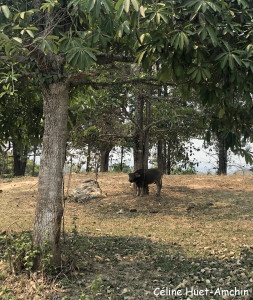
[[29, 168], [21, 254], [125, 168], [19, 251], [190, 170]]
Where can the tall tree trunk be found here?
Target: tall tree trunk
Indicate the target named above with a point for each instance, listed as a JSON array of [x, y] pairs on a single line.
[[34, 160], [121, 158], [49, 209], [20, 153], [164, 158], [88, 159], [160, 159], [104, 163], [168, 158], [139, 135], [146, 136], [222, 154]]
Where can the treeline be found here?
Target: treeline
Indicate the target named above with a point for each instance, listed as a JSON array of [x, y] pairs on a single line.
[[137, 116]]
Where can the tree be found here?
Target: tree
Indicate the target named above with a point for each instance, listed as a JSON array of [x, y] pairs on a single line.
[[21, 123], [139, 134], [96, 122], [49, 37], [231, 126], [206, 45], [222, 154], [192, 41], [181, 121]]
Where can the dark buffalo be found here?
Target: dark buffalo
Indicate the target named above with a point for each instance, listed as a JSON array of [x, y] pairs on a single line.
[[143, 178]]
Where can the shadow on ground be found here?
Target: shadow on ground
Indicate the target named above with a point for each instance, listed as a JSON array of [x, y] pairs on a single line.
[[211, 203], [120, 268], [132, 268]]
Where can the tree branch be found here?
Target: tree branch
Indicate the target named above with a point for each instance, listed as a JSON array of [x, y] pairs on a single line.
[[103, 59], [117, 135], [154, 123], [16, 59], [83, 79], [128, 115]]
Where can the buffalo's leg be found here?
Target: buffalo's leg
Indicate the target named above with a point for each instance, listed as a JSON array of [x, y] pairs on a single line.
[[138, 190]]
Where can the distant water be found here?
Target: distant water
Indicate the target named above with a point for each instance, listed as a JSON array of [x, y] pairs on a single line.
[[205, 159]]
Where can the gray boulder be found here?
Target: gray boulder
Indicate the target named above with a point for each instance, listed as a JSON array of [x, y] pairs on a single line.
[[89, 189]]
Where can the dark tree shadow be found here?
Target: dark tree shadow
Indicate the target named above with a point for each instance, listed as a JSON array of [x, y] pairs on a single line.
[[136, 267]]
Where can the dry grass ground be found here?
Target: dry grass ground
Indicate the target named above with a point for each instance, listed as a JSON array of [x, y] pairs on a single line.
[[199, 234]]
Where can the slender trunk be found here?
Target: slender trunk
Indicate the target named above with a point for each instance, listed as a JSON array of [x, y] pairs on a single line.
[[160, 156], [104, 165], [168, 159], [49, 209], [34, 160], [2, 163], [165, 92], [88, 159], [222, 155], [138, 135], [121, 158], [146, 136], [160, 159], [20, 153], [164, 158], [146, 150]]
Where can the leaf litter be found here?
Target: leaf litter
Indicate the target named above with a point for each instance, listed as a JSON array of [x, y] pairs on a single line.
[[199, 234]]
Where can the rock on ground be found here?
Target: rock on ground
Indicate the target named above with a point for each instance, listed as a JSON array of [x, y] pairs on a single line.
[[89, 189]]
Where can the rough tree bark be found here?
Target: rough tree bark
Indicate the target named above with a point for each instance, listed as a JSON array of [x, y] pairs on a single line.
[[222, 154], [104, 158], [160, 159], [88, 167], [49, 208]]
